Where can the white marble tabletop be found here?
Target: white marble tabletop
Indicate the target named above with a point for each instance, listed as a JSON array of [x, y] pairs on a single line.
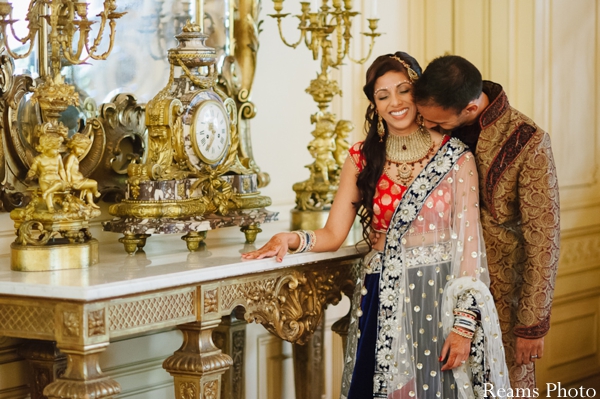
[[165, 263]]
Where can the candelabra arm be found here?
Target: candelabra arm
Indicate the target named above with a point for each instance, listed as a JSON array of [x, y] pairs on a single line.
[[32, 28], [301, 27], [98, 39], [341, 50], [13, 54], [67, 45], [362, 60]]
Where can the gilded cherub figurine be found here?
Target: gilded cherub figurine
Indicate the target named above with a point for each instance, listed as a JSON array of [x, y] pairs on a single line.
[[322, 147], [49, 168], [342, 132], [78, 144]]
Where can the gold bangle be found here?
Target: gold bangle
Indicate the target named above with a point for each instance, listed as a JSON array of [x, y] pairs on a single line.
[[312, 240], [462, 334]]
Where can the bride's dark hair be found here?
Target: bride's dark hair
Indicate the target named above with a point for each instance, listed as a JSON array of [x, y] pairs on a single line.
[[372, 149]]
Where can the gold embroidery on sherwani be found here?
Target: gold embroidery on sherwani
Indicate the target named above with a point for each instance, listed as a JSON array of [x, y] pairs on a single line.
[[520, 219]]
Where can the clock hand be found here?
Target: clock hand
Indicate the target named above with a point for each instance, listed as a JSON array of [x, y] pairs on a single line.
[[211, 127]]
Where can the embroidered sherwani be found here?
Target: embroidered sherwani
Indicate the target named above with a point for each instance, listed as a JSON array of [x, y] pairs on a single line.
[[520, 220]]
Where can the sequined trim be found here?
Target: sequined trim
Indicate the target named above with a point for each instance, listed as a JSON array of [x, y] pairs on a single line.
[[426, 255], [372, 262]]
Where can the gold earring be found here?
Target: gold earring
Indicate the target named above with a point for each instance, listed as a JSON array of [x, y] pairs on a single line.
[[420, 120], [380, 128]]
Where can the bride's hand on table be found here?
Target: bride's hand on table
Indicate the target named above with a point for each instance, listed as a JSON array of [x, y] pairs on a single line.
[[277, 247]]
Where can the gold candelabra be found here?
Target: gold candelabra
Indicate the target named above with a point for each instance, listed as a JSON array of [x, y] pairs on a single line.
[[57, 23], [66, 18], [327, 32]]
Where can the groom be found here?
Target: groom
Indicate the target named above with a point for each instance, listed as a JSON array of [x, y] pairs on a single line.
[[519, 200]]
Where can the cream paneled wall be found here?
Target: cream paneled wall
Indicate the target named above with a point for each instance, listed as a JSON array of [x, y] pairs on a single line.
[[546, 54]]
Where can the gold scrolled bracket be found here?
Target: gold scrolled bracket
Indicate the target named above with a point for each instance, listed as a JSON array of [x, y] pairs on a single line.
[[291, 306], [123, 122]]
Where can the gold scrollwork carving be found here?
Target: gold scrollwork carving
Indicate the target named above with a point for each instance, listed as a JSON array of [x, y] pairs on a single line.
[[125, 131], [291, 307], [13, 155]]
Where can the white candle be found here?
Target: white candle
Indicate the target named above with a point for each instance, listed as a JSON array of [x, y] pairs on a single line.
[[314, 6], [374, 9]]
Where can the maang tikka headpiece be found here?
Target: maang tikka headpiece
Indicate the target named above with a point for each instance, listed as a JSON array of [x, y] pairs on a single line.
[[412, 75]]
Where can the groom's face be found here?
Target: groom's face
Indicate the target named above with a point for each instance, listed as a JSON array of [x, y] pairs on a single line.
[[447, 119]]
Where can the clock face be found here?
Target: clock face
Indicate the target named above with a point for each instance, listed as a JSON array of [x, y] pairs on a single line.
[[210, 131]]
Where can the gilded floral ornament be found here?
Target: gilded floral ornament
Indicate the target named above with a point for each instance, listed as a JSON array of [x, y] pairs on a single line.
[[54, 94], [290, 307]]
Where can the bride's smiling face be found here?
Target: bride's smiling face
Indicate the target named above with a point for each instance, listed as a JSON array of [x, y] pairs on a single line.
[[394, 102]]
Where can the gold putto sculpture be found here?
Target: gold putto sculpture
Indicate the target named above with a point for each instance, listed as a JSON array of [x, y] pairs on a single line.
[[320, 28], [53, 228]]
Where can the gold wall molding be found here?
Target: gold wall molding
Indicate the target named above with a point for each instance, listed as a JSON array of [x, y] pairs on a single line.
[[579, 251]]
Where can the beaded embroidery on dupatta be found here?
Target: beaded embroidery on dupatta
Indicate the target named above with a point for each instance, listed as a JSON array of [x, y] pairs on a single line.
[[391, 283], [395, 361]]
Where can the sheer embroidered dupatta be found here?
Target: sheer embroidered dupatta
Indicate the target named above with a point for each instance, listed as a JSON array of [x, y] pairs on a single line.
[[434, 251]]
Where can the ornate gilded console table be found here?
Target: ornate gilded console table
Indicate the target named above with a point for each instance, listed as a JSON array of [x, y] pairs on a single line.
[[83, 310]]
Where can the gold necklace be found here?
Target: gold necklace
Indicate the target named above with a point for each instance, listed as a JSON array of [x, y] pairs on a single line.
[[406, 151]]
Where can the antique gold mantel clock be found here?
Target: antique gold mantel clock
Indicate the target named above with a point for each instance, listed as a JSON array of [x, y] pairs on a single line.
[[192, 180]]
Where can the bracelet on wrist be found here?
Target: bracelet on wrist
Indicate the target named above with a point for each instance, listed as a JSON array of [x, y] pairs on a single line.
[[307, 239]]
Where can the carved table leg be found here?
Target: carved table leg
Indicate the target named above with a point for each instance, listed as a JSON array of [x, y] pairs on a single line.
[[341, 326], [309, 366], [83, 377], [197, 367], [46, 364], [251, 231], [230, 337]]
